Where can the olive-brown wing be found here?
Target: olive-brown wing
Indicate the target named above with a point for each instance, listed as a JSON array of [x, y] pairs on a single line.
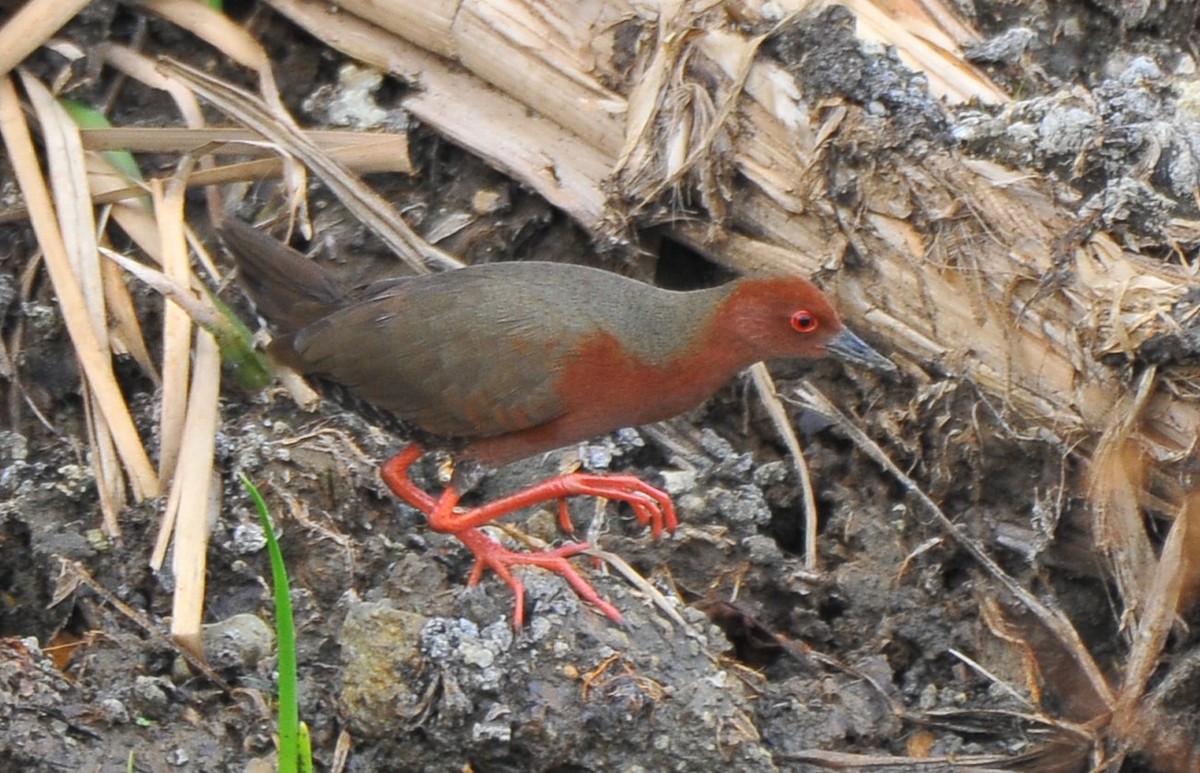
[[458, 355]]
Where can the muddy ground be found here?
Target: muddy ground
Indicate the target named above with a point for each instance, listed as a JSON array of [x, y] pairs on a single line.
[[410, 670]]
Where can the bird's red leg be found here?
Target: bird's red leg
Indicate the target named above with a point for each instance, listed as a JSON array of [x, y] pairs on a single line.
[[650, 505], [395, 474]]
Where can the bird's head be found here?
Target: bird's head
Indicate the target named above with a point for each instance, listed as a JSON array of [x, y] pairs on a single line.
[[791, 317]]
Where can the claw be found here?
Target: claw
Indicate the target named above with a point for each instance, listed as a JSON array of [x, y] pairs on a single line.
[[564, 518]]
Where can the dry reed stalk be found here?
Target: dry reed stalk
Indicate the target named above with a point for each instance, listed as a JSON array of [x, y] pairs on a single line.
[[191, 496], [765, 386], [67, 169], [363, 152], [177, 333], [33, 24], [190, 502], [96, 366], [367, 205]]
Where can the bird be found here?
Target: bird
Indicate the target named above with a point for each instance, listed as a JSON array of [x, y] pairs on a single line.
[[503, 361]]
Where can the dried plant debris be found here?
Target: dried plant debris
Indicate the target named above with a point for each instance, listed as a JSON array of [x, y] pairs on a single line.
[[829, 60], [1130, 145]]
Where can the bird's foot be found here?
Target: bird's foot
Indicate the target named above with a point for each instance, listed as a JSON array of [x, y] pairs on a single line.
[[651, 506], [490, 554]]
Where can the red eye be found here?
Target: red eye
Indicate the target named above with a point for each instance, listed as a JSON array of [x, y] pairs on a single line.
[[804, 321]]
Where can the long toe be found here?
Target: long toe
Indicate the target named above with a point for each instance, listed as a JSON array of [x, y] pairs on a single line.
[[651, 506], [492, 555]]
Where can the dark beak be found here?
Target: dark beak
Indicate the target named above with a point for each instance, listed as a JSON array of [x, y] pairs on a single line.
[[853, 349]]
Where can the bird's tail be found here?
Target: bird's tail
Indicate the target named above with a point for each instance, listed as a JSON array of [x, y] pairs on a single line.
[[289, 290]]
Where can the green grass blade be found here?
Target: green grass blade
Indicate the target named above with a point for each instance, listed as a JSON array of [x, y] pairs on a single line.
[[306, 761], [87, 117], [289, 706]]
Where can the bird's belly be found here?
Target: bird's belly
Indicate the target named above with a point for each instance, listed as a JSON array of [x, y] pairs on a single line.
[[602, 410], [605, 389]]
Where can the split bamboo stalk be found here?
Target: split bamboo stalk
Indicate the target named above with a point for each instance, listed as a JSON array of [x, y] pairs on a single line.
[[541, 50], [521, 143]]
